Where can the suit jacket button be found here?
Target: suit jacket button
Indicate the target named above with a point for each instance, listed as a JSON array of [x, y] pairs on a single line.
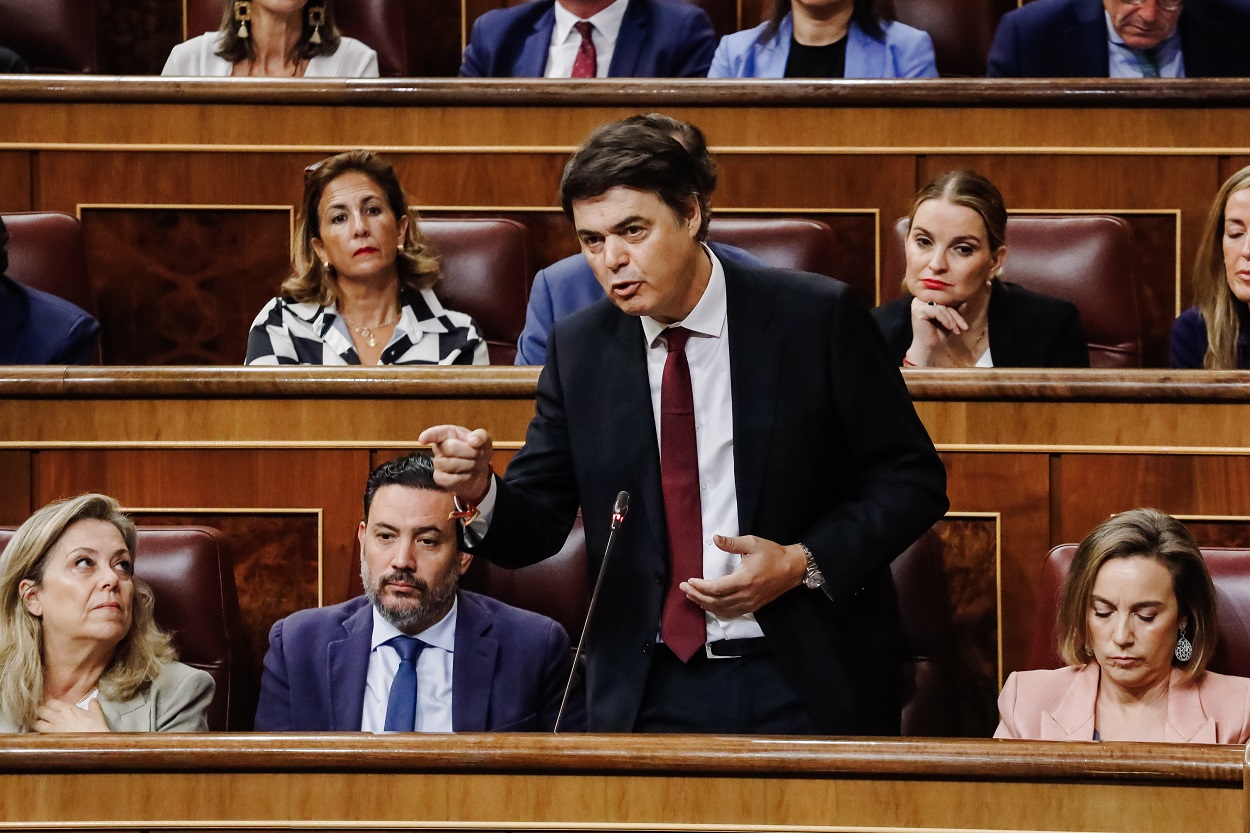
[[659, 577], [646, 647]]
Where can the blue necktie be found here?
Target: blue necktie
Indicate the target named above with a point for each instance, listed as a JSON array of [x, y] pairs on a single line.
[[401, 705]]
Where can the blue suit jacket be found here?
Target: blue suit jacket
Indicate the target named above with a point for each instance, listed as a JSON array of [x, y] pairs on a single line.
[[569, 285], [1068, 39], [905, 53], [658, 39], [38, 328], [509, 671]]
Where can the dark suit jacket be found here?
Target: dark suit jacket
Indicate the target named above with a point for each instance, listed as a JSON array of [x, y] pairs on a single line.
[[1068, 39], [508, 675], [38, 328], [658, 39], [1027, 329], [828, 451]]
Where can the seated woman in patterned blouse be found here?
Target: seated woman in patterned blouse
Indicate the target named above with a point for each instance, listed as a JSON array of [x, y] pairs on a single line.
[[361, 289]]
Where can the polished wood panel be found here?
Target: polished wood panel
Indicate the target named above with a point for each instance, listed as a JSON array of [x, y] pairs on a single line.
[[614, 783], [136, 35], [15, 188], [15, 471], [328, 482], [277, 561], [181, 286]]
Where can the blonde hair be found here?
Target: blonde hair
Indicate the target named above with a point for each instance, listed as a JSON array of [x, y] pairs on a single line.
[[1150, 534], [310, 281], [1219, 306], [138, 657]]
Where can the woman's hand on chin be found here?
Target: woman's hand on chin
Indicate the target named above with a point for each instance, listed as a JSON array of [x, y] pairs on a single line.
[[935, 332], [55, 716]]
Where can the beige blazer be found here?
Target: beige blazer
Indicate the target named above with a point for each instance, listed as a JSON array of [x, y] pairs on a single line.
[[176, 701], [1059, 705]]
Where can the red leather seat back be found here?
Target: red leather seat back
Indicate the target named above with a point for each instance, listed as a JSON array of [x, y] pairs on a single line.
[[962, 30], [191, 574], [485, 273], [783, 242], [51, 35], [557, 587], [1087, 259], [1230, 571], [46, 252]]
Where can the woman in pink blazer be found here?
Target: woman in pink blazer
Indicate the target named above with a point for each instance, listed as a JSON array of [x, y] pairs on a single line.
[[1137, 628]]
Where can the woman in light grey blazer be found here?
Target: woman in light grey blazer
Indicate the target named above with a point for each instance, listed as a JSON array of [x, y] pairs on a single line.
[[79, 648]]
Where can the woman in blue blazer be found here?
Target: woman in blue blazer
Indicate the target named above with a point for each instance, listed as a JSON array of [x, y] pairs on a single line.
[[874, 48]]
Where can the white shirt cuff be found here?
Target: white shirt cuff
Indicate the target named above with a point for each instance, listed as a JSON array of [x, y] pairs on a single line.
[[475, 530]]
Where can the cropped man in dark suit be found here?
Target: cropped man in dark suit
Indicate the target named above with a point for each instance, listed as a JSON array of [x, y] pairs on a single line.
[[38, 328], [1123, 39], [415, 653], [775, 463], [591, 39]]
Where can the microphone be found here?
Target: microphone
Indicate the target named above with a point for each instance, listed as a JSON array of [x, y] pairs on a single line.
[[619, 510]]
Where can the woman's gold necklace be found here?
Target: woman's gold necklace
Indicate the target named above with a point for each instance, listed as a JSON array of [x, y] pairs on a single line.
[[369, 333]]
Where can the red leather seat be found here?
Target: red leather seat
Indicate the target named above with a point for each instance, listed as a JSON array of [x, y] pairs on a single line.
[[46, 252], [1230, 571], [485, 273], [783, 242], [192, 575], [51, 35], [962, 30], [1087, 259], [559, 587]]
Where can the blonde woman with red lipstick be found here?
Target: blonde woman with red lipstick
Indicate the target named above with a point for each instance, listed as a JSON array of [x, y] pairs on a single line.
[[1215, 334], [956, 312], [362, 288]]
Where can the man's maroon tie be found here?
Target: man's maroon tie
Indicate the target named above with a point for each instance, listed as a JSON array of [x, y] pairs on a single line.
[[681, 625], [586, 64]]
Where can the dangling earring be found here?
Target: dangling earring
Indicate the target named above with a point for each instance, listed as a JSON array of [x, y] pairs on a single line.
[[1184, 648], [316, 16], [243, 13]]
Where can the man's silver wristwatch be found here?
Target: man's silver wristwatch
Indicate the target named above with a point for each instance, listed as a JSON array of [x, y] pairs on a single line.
[[815, 579]]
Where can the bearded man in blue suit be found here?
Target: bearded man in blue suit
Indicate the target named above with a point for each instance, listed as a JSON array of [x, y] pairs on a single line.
[[624, 39], [415, 653]]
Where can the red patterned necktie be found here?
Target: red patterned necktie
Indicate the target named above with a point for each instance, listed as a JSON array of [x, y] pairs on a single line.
[[681, 625], [586, 64]]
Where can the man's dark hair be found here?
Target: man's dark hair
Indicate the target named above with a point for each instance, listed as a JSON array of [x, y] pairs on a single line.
[[691, 138], [415, 470], [633, 154]]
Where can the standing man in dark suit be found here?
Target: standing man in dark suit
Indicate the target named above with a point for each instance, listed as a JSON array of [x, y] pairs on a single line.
[[1123, 39], [775, 463], [415, 653], [591, 39]]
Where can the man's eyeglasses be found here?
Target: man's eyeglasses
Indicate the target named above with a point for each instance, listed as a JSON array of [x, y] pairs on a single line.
[[1165, 5]]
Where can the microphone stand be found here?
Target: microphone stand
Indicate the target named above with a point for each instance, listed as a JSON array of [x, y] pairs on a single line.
[[619, 510]]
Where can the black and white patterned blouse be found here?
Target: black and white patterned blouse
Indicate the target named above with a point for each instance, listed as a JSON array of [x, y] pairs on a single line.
[[308, 333]]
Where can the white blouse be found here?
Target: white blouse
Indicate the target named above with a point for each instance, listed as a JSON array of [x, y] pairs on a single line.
[[197, 58]]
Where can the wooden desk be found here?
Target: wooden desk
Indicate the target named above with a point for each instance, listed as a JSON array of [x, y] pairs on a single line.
[[186, 187], [613, 782], [278, 457]]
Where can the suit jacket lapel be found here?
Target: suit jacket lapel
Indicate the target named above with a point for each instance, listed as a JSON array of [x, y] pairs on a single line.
[[1003, 337], [1187, 722], [473, 668], [865, 56], [633, 423], [1073, 718], [1087, 39], [629, 42], [754, 370], [348, 661], [532, 62]]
